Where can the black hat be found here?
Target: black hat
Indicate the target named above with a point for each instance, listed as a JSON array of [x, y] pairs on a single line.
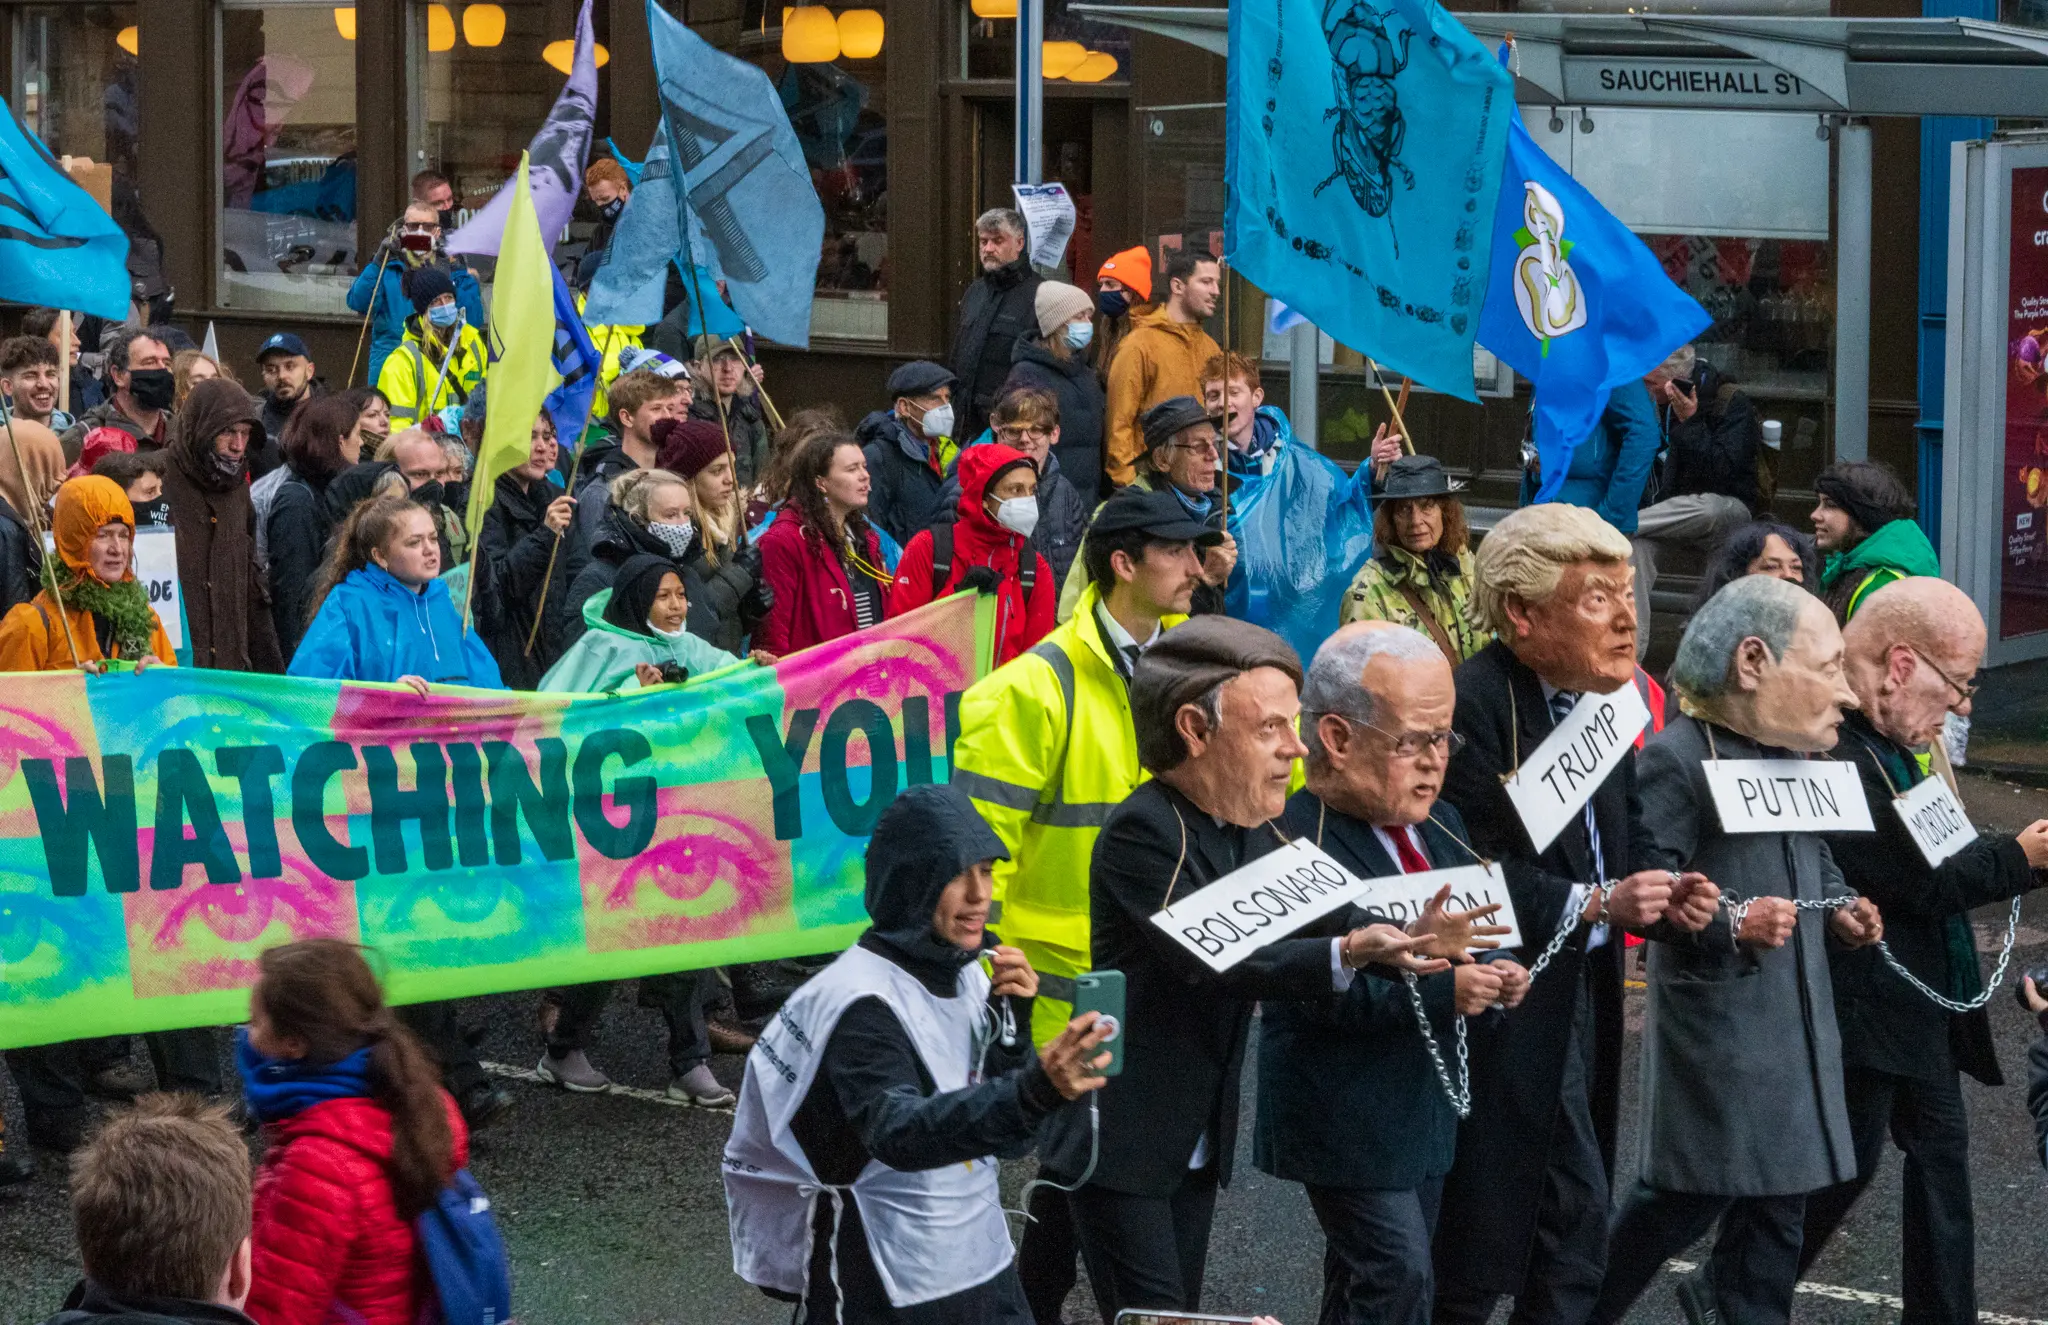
[[1159, 515], [1417, 476], [423, 285], [1165, 420], [284, 342], [1184, 664], [919, 377]]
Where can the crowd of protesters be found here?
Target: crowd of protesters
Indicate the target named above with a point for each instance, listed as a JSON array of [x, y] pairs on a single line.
[[1071, 461]]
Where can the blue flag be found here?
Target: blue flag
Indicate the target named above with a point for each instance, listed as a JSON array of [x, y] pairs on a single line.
[[1379, 239], [578, 361], [729, 171], [57, 246], [1578, 305]]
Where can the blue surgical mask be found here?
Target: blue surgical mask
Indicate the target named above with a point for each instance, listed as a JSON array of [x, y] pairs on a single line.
[[445, 315], [1079, 334]]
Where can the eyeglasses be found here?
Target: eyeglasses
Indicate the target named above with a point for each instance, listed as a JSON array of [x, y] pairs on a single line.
[[1963, 691], [1206, 446], [1008, 436], [1407, 745]]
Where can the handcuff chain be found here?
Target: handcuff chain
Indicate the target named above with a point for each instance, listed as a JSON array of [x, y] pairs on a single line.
[[1459, 1095]]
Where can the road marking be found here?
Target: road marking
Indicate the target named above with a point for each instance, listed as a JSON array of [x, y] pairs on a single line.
[[1866, 1298], [528, 1074]]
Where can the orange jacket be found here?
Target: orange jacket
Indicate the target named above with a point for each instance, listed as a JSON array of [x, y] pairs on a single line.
[[32, 639], [1158, 360]]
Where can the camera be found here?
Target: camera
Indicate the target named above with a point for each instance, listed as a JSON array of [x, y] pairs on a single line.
[[2038, 973]]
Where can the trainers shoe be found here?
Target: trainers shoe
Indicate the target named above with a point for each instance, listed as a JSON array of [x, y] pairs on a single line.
[[698, 1087], [572, 1071], [121, 1082], [1696, 1299], [728, 1037]]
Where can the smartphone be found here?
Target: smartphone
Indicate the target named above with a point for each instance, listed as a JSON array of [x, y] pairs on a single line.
[[1102, 992]]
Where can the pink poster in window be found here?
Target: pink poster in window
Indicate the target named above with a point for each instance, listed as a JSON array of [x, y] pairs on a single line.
[[2023, 582]]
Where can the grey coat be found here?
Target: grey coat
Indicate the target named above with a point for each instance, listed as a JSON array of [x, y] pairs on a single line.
[[1742, 1061]]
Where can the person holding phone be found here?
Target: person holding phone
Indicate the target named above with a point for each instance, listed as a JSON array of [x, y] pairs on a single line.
[[861, 1177], [414, 241]]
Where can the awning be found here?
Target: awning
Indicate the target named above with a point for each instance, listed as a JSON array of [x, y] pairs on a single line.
[[1855, 66]]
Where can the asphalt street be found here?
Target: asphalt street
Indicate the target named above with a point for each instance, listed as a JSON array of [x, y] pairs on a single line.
[[614, 1212]]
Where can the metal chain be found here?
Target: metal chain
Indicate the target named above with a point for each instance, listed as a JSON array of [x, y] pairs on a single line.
[[2012, 927], [1567, 925], [1459, 1095]]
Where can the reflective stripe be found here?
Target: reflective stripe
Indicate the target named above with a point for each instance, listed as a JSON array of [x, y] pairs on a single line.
[[1060, 987], [1061, 814], [1009, 795]]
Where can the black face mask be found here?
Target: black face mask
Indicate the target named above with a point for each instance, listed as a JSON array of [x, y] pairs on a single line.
[[430, 493], [447, 215], [153, 514], [153, 388], [1113, 303], [610, 211]]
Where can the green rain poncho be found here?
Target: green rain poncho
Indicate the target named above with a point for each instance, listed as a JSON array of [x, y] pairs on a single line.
[[602, 661]]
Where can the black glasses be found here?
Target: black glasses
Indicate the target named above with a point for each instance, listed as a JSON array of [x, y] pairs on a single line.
[[1407, 745], [1963, 691]]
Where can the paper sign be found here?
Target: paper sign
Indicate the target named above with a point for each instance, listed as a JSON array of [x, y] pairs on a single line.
[[1401, 897], [156, 565], [1554, 784], [1939, 824], [1048, 218], [1266, 900], [1787, 796]]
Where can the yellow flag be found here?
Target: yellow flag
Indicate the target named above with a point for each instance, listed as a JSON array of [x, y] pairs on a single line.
[[523, 338]]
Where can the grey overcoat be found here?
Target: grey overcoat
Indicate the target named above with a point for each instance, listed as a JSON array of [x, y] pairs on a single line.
[[1742, 1061]]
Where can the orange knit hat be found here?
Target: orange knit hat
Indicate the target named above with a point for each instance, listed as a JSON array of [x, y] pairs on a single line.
[[1133, 267]]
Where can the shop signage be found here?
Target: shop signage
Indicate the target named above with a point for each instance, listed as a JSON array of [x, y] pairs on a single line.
[[1724, 84], [2023, 543]]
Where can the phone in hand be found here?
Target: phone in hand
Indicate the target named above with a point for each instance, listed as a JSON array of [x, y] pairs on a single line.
[[1102, 992]]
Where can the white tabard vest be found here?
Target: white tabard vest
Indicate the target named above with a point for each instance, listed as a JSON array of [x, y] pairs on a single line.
[[931, 1234]]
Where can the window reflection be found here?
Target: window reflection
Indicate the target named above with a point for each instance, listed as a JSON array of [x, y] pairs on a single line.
[[288, 159]]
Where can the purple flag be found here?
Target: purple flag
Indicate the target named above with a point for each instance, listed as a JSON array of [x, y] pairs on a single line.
[[555, 159]]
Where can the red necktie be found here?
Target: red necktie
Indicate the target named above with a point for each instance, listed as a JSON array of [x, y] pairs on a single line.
[[1404, 847]]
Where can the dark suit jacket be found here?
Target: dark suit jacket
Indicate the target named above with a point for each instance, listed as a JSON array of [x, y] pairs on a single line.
[[1184, 1025], [1518, 1063], [1347, 1094], [1887, 1025]]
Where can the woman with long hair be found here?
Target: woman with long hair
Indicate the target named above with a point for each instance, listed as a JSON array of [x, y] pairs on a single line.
[[373, 416], [821, 558], [1056, 361], [1761, 547], [191, 367], [648, 513], [362, 1140], [733, 596], [1421, 571], [797, 429], [378, 610], [91, 609], [320, 441]]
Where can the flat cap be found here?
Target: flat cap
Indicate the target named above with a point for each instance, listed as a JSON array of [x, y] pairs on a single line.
[[919, 377], [1165, 420], [1187, 662]]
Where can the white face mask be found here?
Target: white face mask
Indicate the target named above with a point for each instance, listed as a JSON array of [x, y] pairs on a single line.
[[938, 421], [677, 633], [1079, 334], [1018, 514], [675, 537]]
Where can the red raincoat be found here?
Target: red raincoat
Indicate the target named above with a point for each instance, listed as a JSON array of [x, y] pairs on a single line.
[[1021, 620]]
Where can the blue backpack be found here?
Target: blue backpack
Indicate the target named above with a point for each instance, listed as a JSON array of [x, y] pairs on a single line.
[[465, 1256]]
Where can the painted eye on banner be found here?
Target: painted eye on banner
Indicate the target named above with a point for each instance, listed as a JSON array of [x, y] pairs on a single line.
[[52, 946]]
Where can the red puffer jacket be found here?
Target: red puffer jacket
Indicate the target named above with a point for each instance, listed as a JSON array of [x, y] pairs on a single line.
[[329, 1241], [1021, 620]]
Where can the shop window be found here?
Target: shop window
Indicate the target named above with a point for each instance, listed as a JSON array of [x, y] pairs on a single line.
[[74, 85], [486, 85], [840, 111], [288, 158], [1078, 50]]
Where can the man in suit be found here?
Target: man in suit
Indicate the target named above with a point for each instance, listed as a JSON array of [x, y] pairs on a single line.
[[1352, 1104], [1213, 705], [1525, 1204], [1913, 649]]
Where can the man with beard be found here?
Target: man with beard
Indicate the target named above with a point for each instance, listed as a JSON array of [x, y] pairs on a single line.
[[289, 378], [139, 371], [28, 366]]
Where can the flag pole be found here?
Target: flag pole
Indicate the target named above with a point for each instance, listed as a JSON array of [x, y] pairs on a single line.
[[369, 313], [35, 518], [1223, 440], [454, 343], [774, 414], [575, 464], [1400, 424], [63, 362]]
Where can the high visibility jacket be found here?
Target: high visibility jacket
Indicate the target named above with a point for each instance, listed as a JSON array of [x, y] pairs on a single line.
[[414, 369], [1047, 750], [612, 341]]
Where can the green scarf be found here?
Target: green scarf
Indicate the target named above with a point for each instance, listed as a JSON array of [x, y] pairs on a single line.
[[125, 606]]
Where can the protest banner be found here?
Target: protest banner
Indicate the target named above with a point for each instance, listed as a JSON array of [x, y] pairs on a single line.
[[159, 831]]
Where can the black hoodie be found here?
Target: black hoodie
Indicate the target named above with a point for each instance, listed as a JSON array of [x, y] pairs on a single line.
[[92, 1304], [513, 560], [873, 1099]]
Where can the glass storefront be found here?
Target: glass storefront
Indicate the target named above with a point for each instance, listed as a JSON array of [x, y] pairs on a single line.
[[288, 157]]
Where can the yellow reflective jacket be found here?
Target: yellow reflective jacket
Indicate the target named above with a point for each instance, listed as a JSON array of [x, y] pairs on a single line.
[[414, 369], [1047, 750], [611, 340]]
